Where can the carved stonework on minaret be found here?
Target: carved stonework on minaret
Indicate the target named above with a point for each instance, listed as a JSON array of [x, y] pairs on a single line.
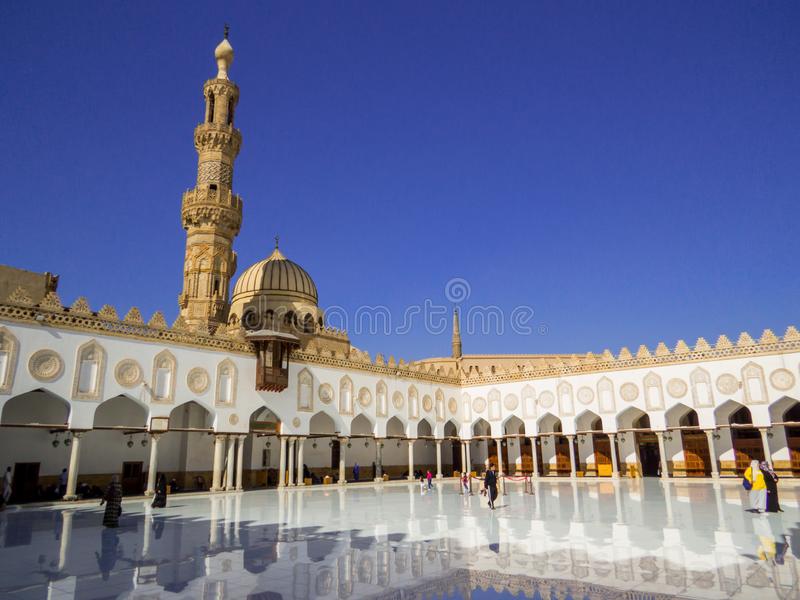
[[211, 213]]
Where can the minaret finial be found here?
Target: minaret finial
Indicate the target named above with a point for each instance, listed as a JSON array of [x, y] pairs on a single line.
[[456, 343], [277, 239], [227, 30]]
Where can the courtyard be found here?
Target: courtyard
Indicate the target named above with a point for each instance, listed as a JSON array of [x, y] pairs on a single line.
[[631, 538]]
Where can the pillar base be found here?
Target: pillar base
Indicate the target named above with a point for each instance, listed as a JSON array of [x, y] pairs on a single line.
[[411, 478], [239, 488], [70, 498], [301, 484], [291, 485], [149, 492], [342, 482], [216, 489], [378, 480], [439, 476]]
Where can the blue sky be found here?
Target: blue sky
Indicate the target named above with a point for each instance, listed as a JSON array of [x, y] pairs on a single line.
[[629, 170]]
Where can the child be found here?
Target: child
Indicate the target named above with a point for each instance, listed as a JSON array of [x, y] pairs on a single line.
[[422, 486]]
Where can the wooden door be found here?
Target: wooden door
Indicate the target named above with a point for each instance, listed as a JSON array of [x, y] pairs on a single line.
[[697, 458], [132, 478], [602, 455], [563, 463], [457, 455], [525, 454], [25, 483], [747, 446], [794, 451]]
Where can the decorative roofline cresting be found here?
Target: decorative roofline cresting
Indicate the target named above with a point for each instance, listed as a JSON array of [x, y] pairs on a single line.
[[79, 317]]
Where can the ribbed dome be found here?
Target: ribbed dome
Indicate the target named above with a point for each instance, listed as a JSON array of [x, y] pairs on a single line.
[[279, 275]]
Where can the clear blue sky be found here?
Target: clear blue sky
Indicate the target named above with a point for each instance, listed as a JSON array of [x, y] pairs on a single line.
[[629, 170]]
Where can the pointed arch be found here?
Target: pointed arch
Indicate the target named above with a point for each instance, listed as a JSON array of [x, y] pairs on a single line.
[[305, 391], [263, 420], [227, 382], [779, 408], [481, 427], [9, 350], [381, 399], [724, 412], [676, 413], [322, 423], [586, 421], [362, 425], [451, 429], [425, 428], [395, 428], [513, 425], [605, 396], [549, 423], [163, 386], [345, 396], [653, 392], [191, 415], [120, 411], [628, 417], [90, 368], [40, 407]]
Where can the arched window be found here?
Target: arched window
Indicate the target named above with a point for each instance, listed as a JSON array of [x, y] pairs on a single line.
[[413, 403], [8, 359], [164, 377], [381, 394], [226, 383], [210, 115], [305, 391], [346, 396], [89, 371]]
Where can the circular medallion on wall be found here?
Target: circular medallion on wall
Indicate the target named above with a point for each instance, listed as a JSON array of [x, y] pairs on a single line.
[[45, 365], [677, 388], [397, 400], [511, 402], [727, 383], [781, 379], [452, 405], [364, 397], [296, 422], [546, 399], [128, 373], [479, 404], [325, 393], [427, 403], [233, 419], [197, 380], [585, 395], [629, 392]]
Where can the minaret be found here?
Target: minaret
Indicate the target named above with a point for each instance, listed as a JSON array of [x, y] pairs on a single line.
[[211, 212], [456, 344]]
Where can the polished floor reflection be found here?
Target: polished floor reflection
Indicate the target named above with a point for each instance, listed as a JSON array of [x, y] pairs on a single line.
[[590, 539]]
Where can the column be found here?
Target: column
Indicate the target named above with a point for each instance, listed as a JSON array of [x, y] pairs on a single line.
[[499, 443], [712, 452], [612, 437], [153, 467], [534, 457], [411, 460], [282, 464], [463, 445], [342, 463], [573, 471], [486, 443], [378, 459], [219, 452], [469, 457], [230, 484], [765, 442], [662, 453], [240, 463], [291, 462], [74, 461], [301, 442], [439, 459]]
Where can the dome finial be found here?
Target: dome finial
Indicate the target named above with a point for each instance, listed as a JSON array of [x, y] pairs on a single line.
[[227, 30], [277, 239]]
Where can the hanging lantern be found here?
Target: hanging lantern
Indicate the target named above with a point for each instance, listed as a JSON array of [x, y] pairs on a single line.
[[330, 444], [130, 443], [55, 443], [314, 445], [349, 445], [366, 444], [268, 444], [144, 442], [67, 441]]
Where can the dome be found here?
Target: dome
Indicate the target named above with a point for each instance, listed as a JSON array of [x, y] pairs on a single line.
[[278, 276]]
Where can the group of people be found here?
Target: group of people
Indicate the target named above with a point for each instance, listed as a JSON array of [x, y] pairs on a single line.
[[112, 499], [425, 482], [762, 483]]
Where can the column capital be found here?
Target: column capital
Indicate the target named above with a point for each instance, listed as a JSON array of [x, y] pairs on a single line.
[[438, 442], [76, 433], [156, 436], [220, 437], [659, 433]]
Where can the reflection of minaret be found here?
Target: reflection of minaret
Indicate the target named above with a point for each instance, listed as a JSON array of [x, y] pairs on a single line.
[[456, 343], [211, 213]]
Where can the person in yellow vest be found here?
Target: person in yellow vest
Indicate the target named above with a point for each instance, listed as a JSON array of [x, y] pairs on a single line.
[[754, 481]]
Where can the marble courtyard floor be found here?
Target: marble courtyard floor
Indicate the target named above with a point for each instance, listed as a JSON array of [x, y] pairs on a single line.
[[636, 539]]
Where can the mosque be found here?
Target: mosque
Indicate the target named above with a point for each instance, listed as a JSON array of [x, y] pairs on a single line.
[[250, 387]]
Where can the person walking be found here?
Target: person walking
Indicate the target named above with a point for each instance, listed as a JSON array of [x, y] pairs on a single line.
[[429, 477], [160, 497], [356, 470], [6, 485], [490, 485], [465, 483], [755, 484], [62, 483], [113, 501], [771, 481]]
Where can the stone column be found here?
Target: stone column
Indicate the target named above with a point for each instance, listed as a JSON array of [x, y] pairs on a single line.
[[153, 467], [499, 442], [219, 452], [230, 484], [612, 437], [765, 442], [573, 471], [411, 460], [662, 454], [342, 462], [291, 462], [712, 452], [378, 459], [301, 442], [282, 463], [469, 457], [534, 457], [240, 463], [439, 459], [463, 456], [74, 462]]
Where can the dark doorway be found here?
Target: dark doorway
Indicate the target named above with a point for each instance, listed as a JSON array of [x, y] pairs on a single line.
[[648, 454], [602, 454], [25, 484], [132, 478], [457, 446], [335, 450], [746, 440]]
